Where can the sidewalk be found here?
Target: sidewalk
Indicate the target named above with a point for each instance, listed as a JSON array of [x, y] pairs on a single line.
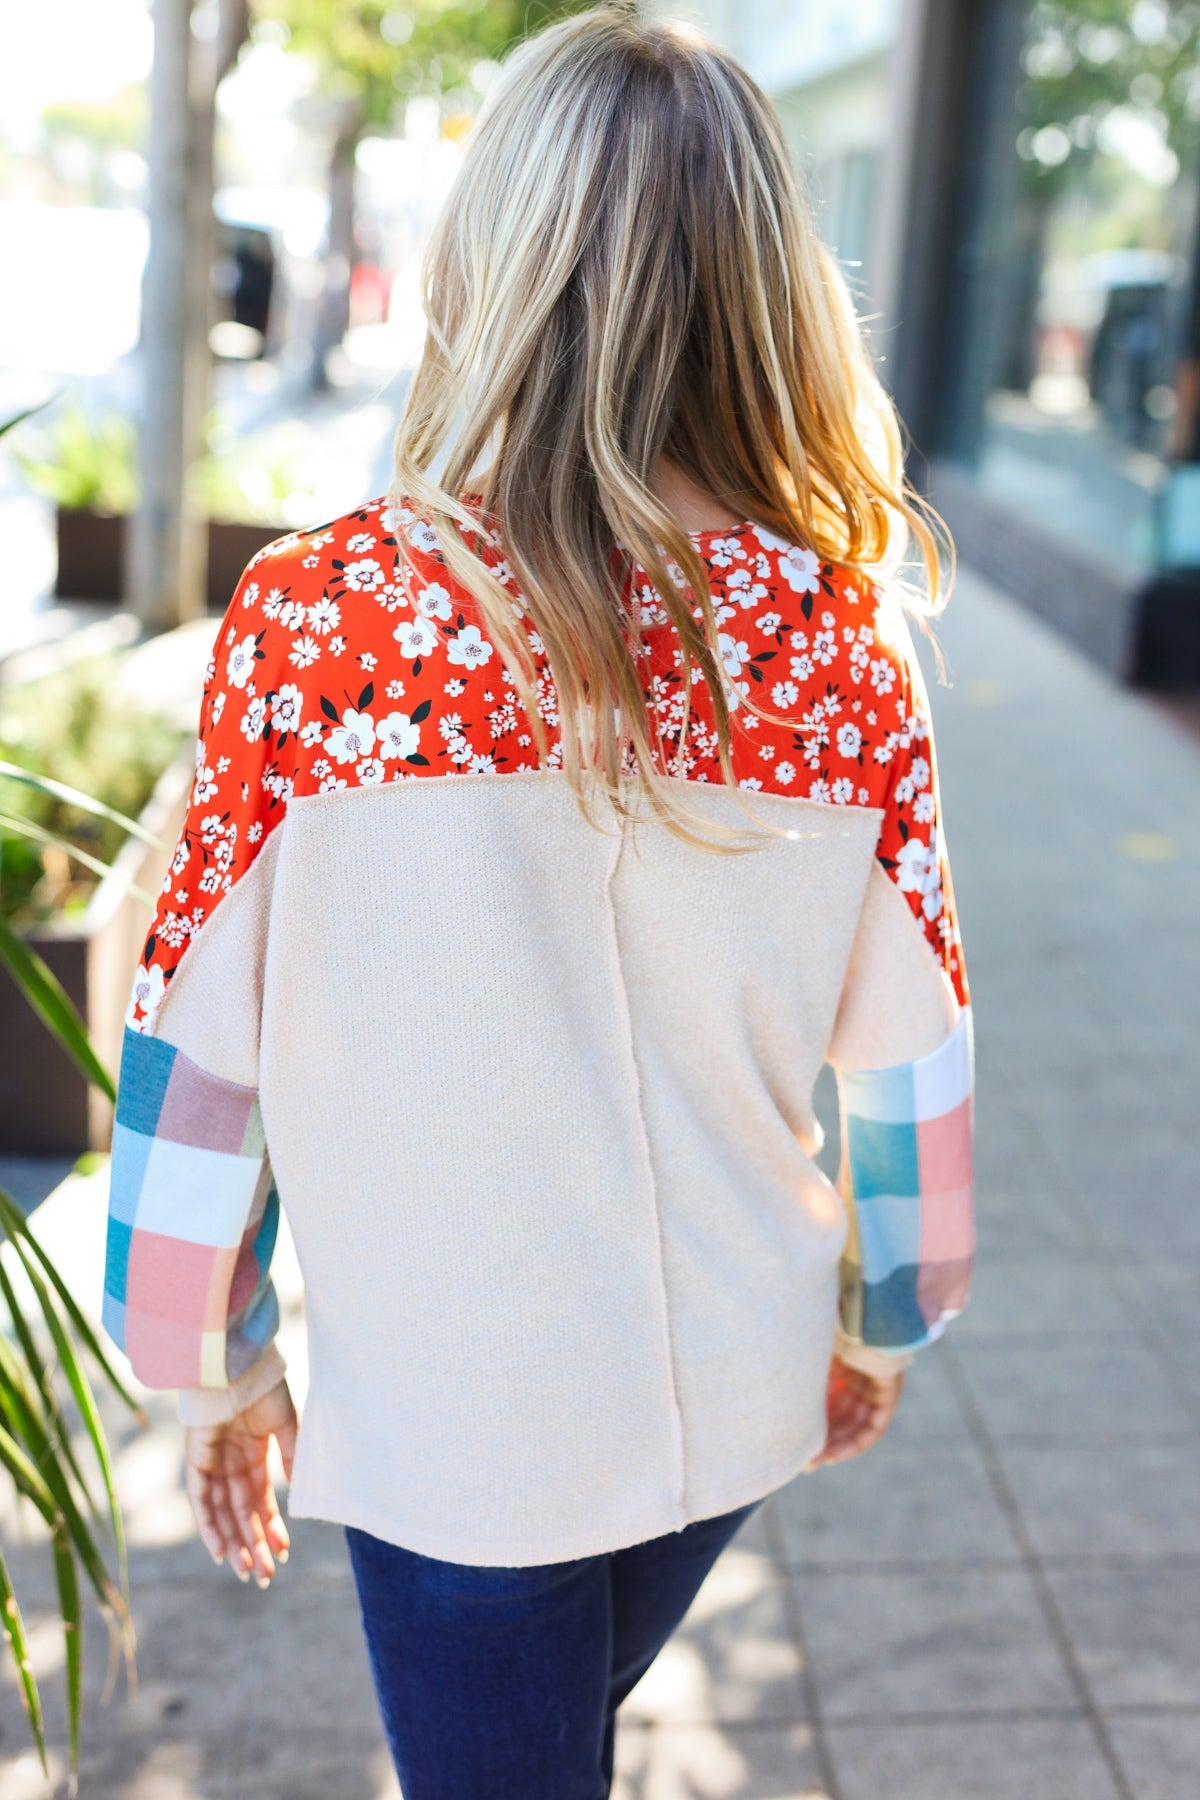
[[1001, 1602]]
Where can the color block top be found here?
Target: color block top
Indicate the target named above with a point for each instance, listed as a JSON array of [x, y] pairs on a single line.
[[536, 1096]]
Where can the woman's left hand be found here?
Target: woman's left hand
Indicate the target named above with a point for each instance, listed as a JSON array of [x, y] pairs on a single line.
[[230, 1490], [859, 1409]]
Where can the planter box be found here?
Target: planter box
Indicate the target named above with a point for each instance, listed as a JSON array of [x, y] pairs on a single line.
[[47, 1108], [91, 556]]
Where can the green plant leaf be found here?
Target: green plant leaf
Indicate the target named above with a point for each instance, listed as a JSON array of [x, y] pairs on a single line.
[[20, 418], [15, 1225], [76, 797], [46, 995], [72, 1623], [85, 1400], [14, 1630], [39, 834], [40, 1382]]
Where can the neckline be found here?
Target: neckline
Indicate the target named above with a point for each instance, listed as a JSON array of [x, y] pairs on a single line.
[[474, 497]]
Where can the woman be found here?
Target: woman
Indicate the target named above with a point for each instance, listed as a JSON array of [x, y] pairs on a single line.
[[556, 818]]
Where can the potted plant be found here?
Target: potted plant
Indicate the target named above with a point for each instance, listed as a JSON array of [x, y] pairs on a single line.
[[74, 882], [88, 468], [249, 491]]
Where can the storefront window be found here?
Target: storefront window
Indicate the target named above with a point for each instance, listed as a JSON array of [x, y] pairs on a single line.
[[1079, 347]]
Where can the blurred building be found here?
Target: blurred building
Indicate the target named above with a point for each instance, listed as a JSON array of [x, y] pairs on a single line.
[[1014, 186]]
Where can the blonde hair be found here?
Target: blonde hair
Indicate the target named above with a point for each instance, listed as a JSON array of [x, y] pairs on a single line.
[[626, 269]]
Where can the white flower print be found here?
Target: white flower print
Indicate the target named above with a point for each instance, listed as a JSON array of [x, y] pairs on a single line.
[[310, 734], [252, 718], [332, 781], [919, 770], [849, 740], [734, 654], [398, 736], [923, 808], [785, 773], [883, 677], [336, 645], [469, 648], [204, 787], [450, 725], [353, 737], [360, 543], [824, 648], [917, 872], [801, 569], [363, 577], [801, 667], [416, 637], [291, 615], [240, 666], [149, 986], [483, 765], [304, 650], [843, 791], [394, 689], [423, 537], [286, 708], [769, 623], [272, 603], [750, 781], [819, 790], [433, 602], [784, 694], [324, 615], [455, 688], [722, 551], [370, 770]]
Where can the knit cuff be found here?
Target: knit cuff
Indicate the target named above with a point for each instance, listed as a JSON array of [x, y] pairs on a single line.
[[885, 1365], [217, 1405]]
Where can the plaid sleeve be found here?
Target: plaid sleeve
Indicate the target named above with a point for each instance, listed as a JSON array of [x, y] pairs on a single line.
[[193, 1216], [906, 1177]]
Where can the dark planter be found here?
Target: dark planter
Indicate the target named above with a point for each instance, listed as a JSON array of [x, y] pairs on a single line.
[[230, 547], [47, 1107], [91, 556], [1167, 640]]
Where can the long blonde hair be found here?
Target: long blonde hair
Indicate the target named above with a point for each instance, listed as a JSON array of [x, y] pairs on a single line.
[[626, 269]]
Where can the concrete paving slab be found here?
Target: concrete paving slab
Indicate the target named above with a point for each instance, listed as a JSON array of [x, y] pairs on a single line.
[[733, 1658], [1002, 1759], [1160, 1753], [1099, 1499], [1026, 1293], [704, 1763], [904, 1502], [1066, 1385], [929, 1641], [1136, 1629]]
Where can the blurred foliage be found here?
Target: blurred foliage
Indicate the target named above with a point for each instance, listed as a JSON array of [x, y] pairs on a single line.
[[82, 463], [371, 54], [1084, 59], [43, 1345], [118, 122], [76, 727], [254, 480]]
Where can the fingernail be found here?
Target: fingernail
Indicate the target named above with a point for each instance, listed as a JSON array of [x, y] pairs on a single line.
[[263, 1580], [283, 1555]]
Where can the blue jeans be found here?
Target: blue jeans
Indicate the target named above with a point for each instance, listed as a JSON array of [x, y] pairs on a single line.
[[503, 1683]]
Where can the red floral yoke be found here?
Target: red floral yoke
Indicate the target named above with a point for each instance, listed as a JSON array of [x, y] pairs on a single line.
[[339, 663]]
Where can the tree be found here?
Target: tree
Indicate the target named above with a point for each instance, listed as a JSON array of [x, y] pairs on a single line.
[[167, 562], [371, 57]]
